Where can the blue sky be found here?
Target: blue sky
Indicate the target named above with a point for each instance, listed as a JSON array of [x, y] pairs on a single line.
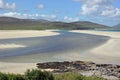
[[105, 12]]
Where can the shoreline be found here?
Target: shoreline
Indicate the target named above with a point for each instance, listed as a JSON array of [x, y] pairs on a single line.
[[109, 49], [16, 68], [12, 34], [102, 33], [86, 68], [7, 34], [21, 67], [53, 48]]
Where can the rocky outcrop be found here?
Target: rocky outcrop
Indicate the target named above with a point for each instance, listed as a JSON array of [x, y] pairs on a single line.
[[82, 66]]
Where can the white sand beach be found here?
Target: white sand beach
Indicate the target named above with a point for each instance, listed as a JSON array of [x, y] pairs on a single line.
[[10, 34], [5, 34], [10, 46], [108, 52], [20, 68], [17, 68], [103, 33]]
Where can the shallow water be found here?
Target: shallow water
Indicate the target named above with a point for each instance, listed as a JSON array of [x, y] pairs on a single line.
[[42, 49]]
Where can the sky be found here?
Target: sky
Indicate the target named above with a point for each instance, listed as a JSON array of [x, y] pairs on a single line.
[[105, 12]]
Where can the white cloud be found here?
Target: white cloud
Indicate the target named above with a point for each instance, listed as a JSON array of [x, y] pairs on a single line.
[[111, 12], [7, 6], [41, 6], [70, 19], [30, 16], [86, 9], [1, 3], [48, 17], [14, 14], [99, 7]]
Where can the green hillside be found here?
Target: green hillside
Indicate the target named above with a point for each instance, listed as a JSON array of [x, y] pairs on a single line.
[[8, 23]]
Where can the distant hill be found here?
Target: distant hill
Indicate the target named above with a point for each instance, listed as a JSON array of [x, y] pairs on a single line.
[[10, 19], [17, 20], [9, 23], [91, 25], [38, 20], [117, 26]]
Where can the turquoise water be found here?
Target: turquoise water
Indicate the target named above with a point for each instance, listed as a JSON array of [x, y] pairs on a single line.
[[45, 48]]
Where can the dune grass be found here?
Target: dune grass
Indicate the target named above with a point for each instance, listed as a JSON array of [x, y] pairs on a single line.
[[75, 76], [36, 74]]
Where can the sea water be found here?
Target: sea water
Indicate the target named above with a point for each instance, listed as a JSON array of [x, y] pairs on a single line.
[[45, 48]]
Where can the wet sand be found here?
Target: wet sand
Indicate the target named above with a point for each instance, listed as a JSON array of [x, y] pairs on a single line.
[[107, 53], [20, 68], [66, 46], [57, 48]]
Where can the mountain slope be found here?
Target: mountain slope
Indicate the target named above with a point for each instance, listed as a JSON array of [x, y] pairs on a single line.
[[9, 19], [9, 23], [86, 24], [117, 26]]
